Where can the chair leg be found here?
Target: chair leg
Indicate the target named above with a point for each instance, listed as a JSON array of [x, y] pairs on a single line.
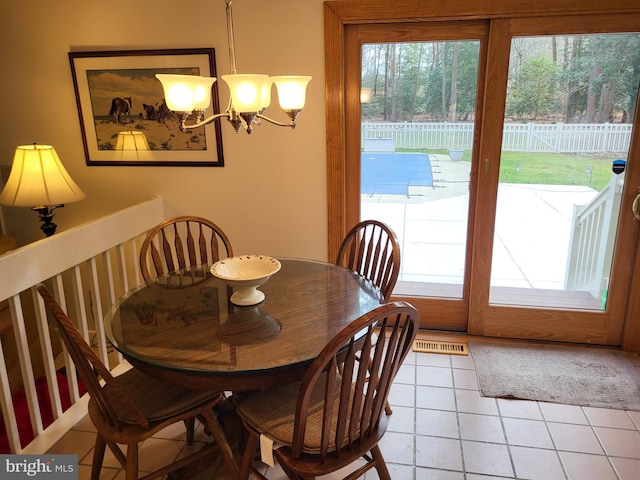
[[387, 409], [98, 456], [381, 466], [131, 466], [249, 454], [190, 425], [220, 438]]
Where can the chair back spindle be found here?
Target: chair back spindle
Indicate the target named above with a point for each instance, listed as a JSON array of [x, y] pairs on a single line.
[[371, 250], [180, 243]]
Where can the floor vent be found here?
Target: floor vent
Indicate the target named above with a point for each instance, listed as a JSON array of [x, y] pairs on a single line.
[[428, 346]]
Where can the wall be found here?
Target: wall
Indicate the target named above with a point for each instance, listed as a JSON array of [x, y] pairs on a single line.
[[270, 197]]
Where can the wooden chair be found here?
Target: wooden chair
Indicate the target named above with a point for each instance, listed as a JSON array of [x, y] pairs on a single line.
[[132, 407], [371, 249], [331, 419], [180, 243]]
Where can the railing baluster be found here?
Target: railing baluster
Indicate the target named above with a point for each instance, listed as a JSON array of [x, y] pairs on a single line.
[[72, 377], [47, 354], [26, 366], [9, 414]]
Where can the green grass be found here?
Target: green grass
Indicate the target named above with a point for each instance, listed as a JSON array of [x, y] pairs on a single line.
[[550, 168]]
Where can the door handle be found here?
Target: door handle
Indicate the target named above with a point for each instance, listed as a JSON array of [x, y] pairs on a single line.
[[635, 206]]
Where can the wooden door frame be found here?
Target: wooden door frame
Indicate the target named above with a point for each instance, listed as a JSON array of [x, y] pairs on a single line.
[[339, 15]]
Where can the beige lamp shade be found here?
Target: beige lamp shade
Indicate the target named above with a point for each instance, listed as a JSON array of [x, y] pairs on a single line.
[[132, 145], [38, 178]]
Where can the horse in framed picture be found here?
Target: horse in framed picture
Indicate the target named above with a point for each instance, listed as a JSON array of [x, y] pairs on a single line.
[[120, 109]]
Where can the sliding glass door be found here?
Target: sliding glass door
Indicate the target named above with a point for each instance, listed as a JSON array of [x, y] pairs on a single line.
[[529, 233], [558, 177], [569, 114]]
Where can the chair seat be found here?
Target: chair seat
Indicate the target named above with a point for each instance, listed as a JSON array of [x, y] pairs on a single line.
[[157, 400], [272, 412]]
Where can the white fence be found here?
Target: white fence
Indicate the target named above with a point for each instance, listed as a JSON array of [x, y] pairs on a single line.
[[87, 268], [529, 137]]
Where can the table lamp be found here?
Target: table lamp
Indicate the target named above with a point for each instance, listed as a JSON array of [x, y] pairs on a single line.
[[39, 180]]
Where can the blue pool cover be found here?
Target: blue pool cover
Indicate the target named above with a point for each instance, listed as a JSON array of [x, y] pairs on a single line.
[[393, 173]]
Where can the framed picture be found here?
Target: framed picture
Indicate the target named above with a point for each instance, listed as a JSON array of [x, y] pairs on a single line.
[[123, 116]]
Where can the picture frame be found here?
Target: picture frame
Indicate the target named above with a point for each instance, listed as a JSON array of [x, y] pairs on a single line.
[[123, 118]]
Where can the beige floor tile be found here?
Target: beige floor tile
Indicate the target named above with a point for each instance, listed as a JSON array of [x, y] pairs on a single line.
[[398, 447], [575, 438], [626, 468], [536, 464], [402, 395], [608, 417], [85, 424], [438, 453], [79, 443], [527, 433], [158, 452], [402, 420], [519, 409], [431, 474], [435, 397], [581, 466], [635, 416], [395, 470], [440, 423], [620, 443], [481, 428], [487, 458], [553, 412], [470, 401], [434, 376], [465, 379], [463, 361], [473, 476], [406, 374], [433, 360]]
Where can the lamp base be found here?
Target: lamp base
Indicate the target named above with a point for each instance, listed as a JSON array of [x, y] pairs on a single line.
[[46, 217]]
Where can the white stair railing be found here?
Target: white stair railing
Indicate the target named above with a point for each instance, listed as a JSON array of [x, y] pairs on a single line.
[[87, 268], [593, 232]]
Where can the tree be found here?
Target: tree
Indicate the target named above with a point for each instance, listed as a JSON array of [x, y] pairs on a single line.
[[573, 78], [534, 90]]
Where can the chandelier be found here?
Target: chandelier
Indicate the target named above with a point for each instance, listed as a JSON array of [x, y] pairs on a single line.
[[250, 94]]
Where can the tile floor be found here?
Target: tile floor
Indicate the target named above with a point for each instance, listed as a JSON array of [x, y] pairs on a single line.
[[442, 429]]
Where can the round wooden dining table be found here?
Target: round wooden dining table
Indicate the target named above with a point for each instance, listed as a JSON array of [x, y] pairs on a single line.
[[182, 327]]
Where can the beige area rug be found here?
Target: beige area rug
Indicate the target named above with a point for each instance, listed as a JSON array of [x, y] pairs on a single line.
[[585, 376]]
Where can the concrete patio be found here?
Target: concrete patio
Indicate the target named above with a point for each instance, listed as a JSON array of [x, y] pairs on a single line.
[[531, 236]]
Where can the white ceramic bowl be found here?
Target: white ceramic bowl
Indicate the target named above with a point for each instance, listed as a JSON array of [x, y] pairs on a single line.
[[245, 273]]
